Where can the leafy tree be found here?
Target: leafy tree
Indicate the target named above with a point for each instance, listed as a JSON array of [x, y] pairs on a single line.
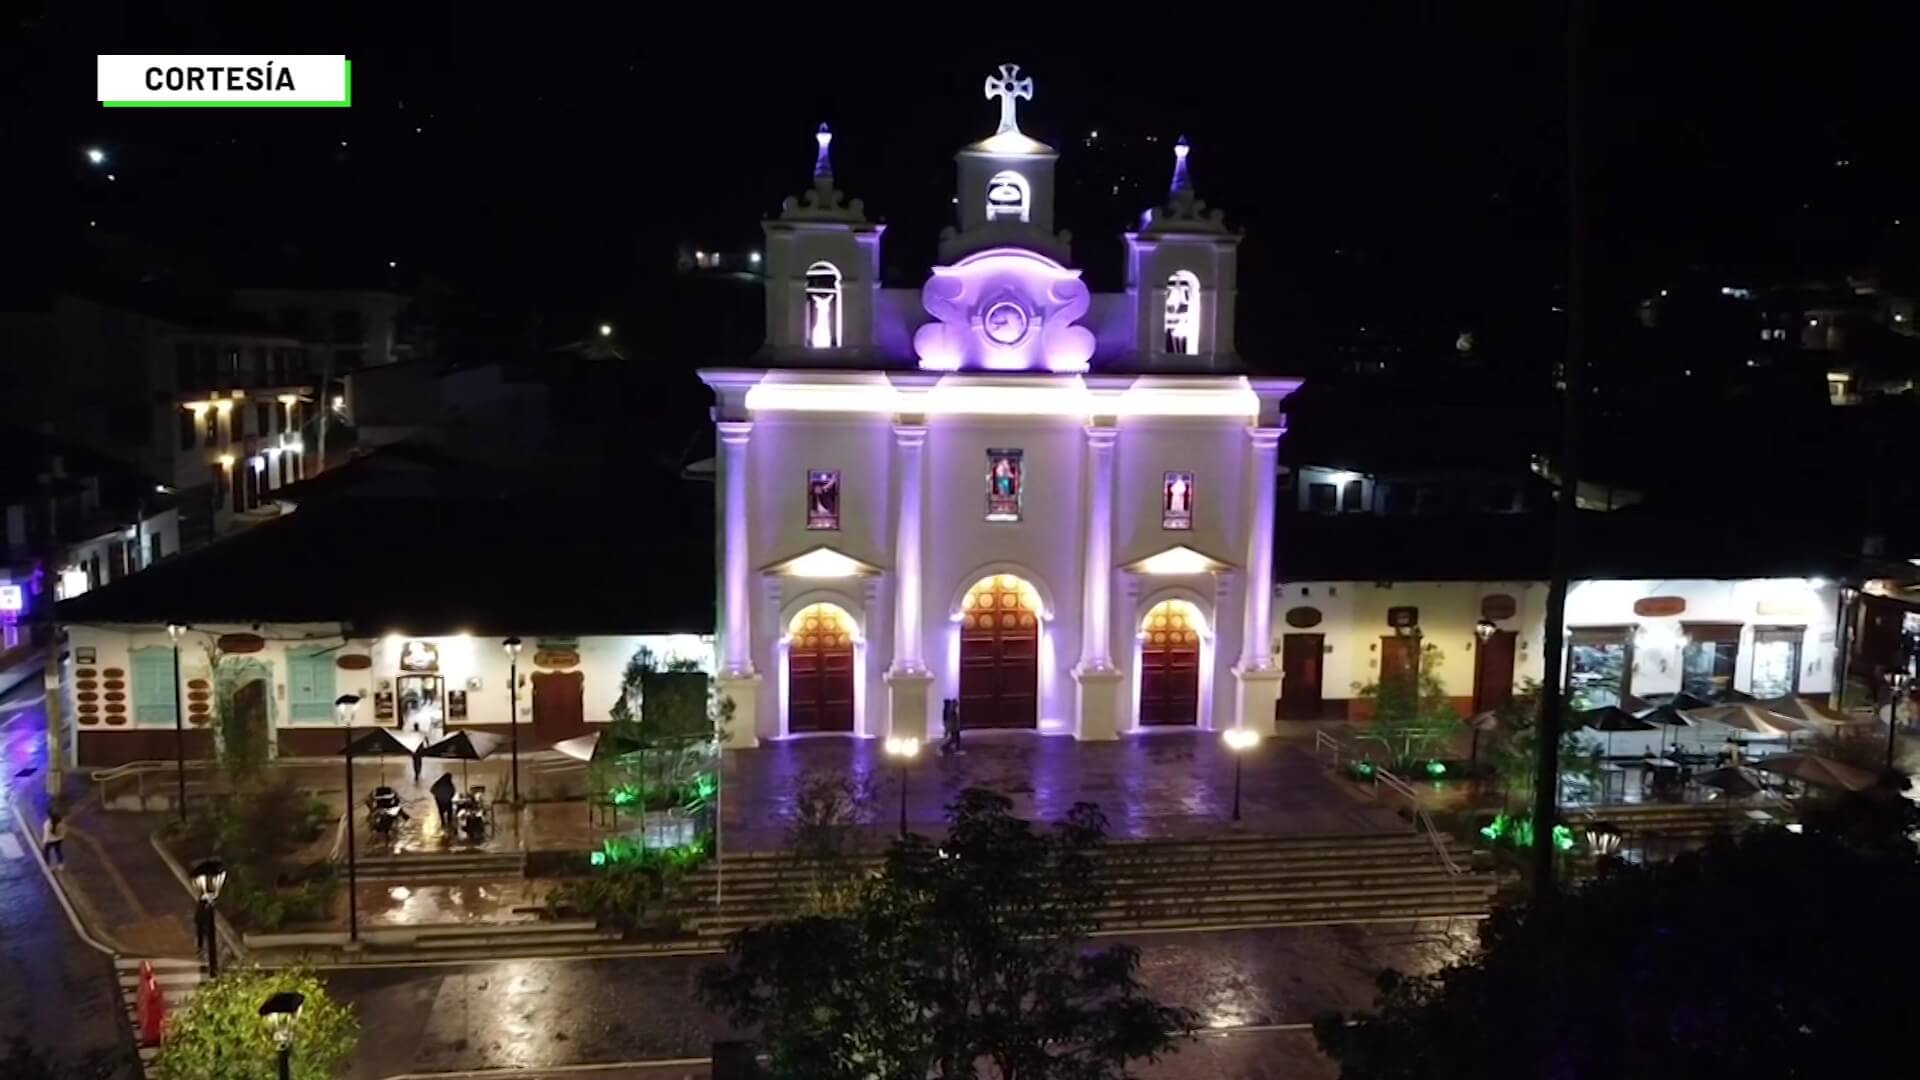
[[1413, 718], [1512, 753], [829, 809], [258, 834], [218, 1034], [968, 951], [1727, 962]]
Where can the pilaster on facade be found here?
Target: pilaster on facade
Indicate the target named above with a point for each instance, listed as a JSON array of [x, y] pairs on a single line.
[[1256, 648], [909, 446], [737, 663], [1096, 638]]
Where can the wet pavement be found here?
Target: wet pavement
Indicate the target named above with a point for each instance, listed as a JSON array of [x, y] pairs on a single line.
[[1152, 785], [535, 1014], [59, 993], [473, 902]]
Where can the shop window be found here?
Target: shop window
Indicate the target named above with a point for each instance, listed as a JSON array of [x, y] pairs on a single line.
[[1005, 479], [1599, 666], [823, 499], [1323, 498], [1709, 659], [1776, 660]]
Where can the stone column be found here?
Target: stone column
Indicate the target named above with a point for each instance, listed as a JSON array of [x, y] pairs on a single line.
[[1258, 681], [737, 678], [1097, 678], [908, 680]]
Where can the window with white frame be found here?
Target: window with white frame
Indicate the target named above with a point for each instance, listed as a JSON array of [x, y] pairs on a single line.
[[824, 300], [1182, 321]]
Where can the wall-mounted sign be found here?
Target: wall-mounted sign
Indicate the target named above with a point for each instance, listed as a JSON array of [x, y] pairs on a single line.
[[383, 705], [13, 600], [1655, 607], [1498, 606], [1403, 616], [1176, 501], [353, 661], [1780, 605], [83, 654], [1300, 618], [420, 656], [457, 704], [240, 643]]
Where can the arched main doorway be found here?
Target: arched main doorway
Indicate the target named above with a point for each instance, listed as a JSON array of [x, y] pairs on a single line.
[[1170, 664], [1000, 654], [820, 670]]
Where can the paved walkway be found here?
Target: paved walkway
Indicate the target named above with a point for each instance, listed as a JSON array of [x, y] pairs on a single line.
[[1166, 784]]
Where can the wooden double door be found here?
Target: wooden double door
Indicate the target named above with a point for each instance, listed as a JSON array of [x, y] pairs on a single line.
[[1170, 667], [820, 671], [1000, 656], [1301, 667]]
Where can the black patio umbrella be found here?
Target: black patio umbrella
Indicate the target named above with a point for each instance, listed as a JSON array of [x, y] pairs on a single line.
[[1730, 696], [1801, 709], [1734, 781], [381, 742], [1667, 716], [1610, 718], [1682, 700], [599, 746], [464, 746]]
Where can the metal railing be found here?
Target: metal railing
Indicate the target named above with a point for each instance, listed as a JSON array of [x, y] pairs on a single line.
[[1325, 742]]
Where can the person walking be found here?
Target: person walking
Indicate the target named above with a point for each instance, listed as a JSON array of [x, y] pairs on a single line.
[[53, 841], [443, 798]]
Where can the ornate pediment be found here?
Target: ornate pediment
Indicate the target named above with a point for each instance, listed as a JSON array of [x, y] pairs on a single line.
[[1005, 309], [821, 562], [1176, 561]]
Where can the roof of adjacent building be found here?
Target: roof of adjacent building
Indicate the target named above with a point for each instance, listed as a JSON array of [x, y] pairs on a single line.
[[1519, 547], [559, 562]]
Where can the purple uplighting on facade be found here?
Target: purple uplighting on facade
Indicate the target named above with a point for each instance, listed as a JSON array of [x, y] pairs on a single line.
[[822, 163], [1005, 309], [1180, 181]]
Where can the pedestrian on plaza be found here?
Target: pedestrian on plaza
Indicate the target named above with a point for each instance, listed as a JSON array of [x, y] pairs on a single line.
[[443, 798], [418, 761], [53, 841]]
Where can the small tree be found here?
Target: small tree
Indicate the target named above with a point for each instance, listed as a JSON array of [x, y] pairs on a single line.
[[1412, 717], [1512, 754], [218, 1034], [973, 948], [828, 809]]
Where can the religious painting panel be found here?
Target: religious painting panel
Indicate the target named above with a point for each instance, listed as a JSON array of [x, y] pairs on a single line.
[[1005, 482], [823, 499], [1176, 501]]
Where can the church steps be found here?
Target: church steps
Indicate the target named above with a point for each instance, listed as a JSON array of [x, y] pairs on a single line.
[[1146, 878]]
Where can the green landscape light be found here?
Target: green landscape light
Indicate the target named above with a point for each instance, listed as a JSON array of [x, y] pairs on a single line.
[[598, 858], [1436, 769]]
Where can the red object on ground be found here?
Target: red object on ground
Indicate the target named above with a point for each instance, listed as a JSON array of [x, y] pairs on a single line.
[[151, 1007]]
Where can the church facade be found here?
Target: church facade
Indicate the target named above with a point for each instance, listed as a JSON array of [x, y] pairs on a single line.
[[1051, 506]]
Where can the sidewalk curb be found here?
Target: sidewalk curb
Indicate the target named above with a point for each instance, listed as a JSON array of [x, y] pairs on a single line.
[[54, 883]]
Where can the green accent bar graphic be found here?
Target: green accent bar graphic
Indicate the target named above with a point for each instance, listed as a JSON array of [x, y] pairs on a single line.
[[343, 103]]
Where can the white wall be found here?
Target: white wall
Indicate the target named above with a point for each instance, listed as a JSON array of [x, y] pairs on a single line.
[[1775, 602]]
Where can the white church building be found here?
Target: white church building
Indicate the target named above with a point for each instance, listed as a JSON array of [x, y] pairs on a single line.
[[1052, 506]]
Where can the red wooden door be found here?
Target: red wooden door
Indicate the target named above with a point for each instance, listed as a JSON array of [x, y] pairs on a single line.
[[1169, 668], [1300, 669], [1493, 672], [558, 708], [1396, 659], [1000, 656], [820, 671]]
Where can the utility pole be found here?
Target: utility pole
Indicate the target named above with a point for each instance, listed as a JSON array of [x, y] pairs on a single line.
[[1546, 794]]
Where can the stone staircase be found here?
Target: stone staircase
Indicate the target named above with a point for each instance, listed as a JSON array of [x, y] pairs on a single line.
[[439, 866], [1213, 883]]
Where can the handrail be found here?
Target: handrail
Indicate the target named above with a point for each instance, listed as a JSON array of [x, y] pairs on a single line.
[[1322, 740], [133, 767], [1382, 775], [1425, 820]]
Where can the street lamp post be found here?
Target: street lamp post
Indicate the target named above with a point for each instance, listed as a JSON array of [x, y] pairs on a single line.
[[903, 751], [1896, 684], [1239, 740], [174, 632], [343, 707], [208, 875], [1484, 631], [512, 645], [280, 1012]]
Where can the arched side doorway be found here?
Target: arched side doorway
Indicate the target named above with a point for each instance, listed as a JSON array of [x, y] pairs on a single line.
[[820, 692], [1170, 664], [1000, 654]]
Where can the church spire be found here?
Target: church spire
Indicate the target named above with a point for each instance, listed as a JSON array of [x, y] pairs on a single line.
[[822, 163], [1180, 181]]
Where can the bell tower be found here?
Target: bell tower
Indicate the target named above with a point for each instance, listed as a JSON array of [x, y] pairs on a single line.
[[1181, 279], [822, 267], [1005, 183]]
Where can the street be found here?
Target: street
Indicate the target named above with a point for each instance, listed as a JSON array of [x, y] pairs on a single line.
[[538, 1014], [55, 991]]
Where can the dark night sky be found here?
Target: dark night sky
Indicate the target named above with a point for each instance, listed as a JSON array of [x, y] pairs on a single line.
[[1388, 169]]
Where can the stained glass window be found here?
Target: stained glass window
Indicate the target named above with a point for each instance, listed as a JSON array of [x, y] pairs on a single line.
[[823, 499], [1176, 501], [1005, 482]]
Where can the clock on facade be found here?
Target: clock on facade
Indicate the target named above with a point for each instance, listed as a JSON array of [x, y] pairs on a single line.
[[1005, 322]]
